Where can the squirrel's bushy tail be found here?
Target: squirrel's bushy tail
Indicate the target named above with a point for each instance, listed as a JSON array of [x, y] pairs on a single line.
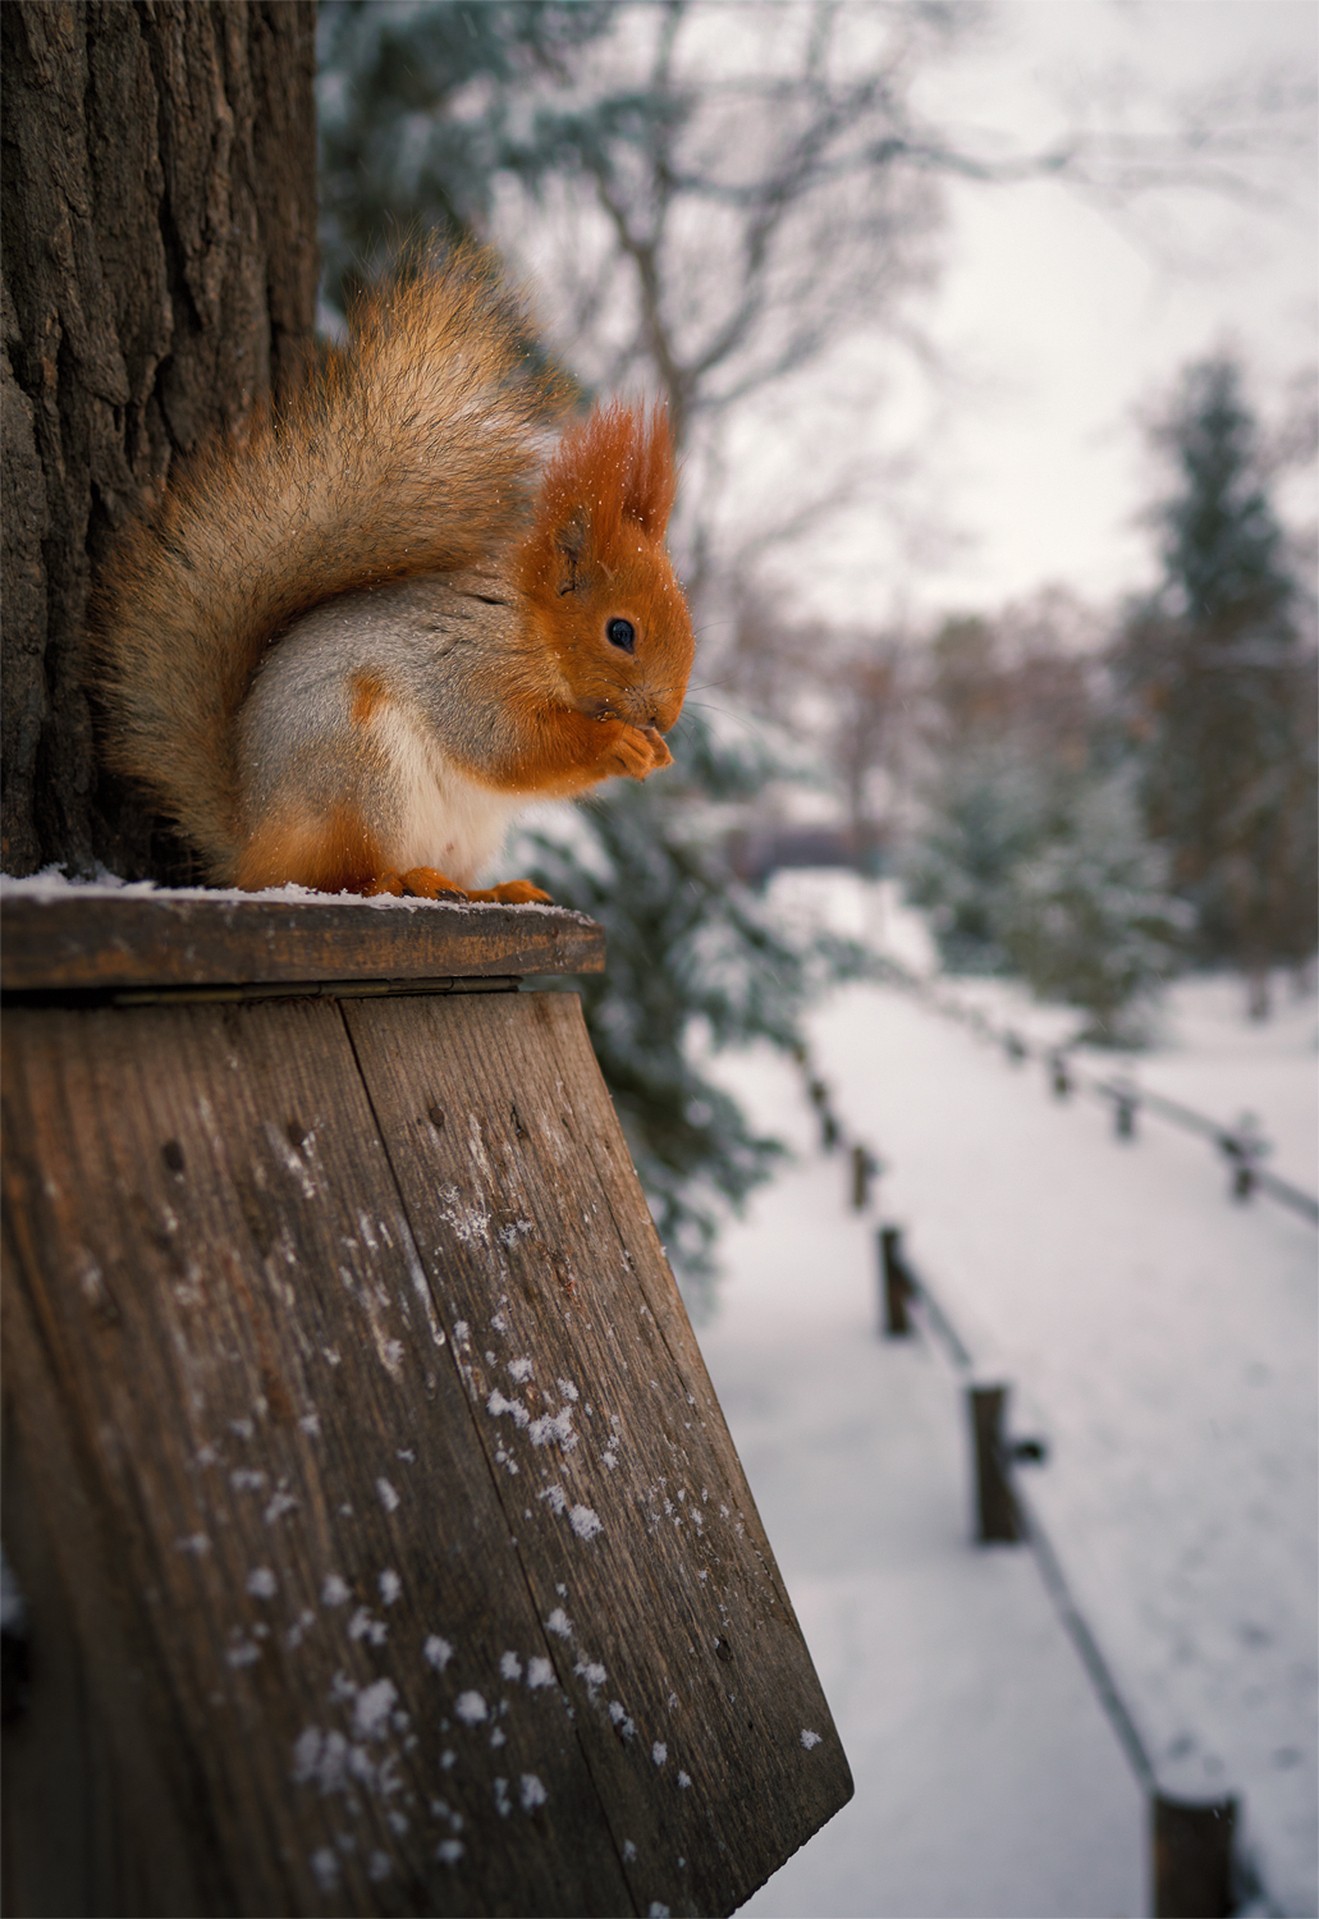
[[412, 450]]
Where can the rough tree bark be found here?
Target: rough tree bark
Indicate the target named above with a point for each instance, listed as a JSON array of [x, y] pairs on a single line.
[[159, 275]]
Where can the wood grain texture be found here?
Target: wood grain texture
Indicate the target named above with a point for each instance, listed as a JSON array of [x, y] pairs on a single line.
[[385, 1548], [88, 941], [268, 1500], [697, 1703]]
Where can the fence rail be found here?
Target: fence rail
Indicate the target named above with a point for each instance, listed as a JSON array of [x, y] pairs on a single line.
[[1242, 1144]]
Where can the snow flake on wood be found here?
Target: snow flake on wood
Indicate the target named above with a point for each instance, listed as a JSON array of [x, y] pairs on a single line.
[[363, 1625], [497, 1405], [585, 1522], [556, 1430], [372, 1709], [325, 1869]]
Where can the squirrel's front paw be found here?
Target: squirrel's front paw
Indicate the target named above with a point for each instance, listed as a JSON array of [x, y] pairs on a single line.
[[639, 751]]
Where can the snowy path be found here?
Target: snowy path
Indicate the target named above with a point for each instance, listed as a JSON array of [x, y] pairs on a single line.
[[1165, 1342], [988, 1782]]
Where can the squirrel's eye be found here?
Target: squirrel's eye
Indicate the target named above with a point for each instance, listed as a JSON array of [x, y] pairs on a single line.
[[622, 633]]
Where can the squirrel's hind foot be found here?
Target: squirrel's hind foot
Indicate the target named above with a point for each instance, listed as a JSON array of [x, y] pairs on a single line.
[[426, 883], [514, 893], [419, 882]]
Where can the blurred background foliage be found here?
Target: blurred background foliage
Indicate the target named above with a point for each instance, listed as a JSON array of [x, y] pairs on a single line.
[[714, 204]]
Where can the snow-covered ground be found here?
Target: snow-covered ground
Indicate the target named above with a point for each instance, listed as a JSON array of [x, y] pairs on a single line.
[[1161, 1338]]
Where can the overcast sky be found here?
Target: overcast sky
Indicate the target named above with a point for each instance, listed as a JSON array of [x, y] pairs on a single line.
[[1064, 319]]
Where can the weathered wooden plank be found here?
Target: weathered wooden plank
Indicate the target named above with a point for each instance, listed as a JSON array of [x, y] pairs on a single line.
[[698, 1708], [269, 1570], [82, 939]]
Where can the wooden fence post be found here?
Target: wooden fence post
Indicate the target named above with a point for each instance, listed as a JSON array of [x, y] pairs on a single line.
[[998, 1518], [1244, 1149], [864, 1168], [1192, 1857], [895, 1287], [829, 1131]]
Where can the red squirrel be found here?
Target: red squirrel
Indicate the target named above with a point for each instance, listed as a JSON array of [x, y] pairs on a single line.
[[345, 648]]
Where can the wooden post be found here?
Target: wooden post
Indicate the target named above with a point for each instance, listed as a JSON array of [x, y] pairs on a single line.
[[1124, 1112], [829, 1130], [1244, 1149], [864, 1168], [1192, 1857], [383, 1546], [1060, 1079], [997, 1516], [895, 1287]]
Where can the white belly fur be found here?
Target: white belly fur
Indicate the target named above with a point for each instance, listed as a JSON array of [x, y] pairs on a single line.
[[446, 819]]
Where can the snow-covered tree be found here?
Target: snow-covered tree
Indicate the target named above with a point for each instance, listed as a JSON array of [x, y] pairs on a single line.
[[1088, 918], [986, 812]]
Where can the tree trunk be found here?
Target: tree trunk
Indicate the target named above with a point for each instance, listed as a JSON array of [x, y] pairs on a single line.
[[159, 277]]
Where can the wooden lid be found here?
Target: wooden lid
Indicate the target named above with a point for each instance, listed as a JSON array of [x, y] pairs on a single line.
[[88, 938]]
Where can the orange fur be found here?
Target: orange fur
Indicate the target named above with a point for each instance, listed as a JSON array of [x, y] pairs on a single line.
[[335, 855], [369, 694], [566, 753], [594, 552], [612, 477]]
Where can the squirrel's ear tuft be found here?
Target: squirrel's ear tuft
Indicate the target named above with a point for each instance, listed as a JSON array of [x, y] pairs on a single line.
[[652, 474], [613, 467]]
